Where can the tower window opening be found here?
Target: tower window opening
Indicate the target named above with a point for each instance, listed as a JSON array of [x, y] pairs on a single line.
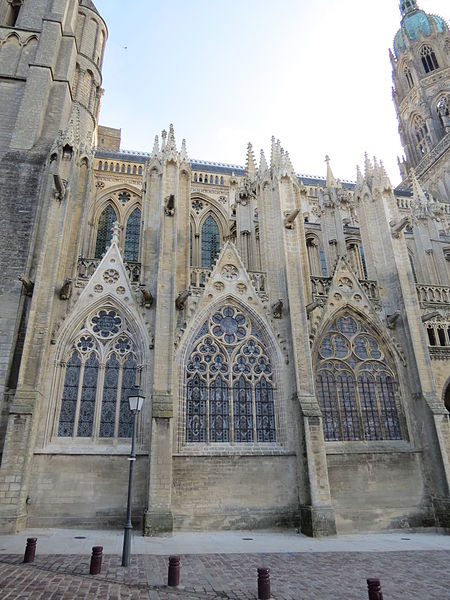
[[429, 60], [13, 13], [421, 130]]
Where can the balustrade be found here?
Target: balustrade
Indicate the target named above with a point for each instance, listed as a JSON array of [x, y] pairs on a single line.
[[87, 266], [433, 294]]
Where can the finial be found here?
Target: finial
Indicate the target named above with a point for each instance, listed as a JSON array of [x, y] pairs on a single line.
[[155, 151], [407, 7], [183, 151], [163, 139], [115, 232], [250, 166], [263, 168], [331, 181]]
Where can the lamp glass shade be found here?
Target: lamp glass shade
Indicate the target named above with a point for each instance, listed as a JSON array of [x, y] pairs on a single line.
[[135, 401]]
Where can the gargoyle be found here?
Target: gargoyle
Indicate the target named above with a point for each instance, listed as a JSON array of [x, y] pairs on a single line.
[[169, 205], [277, 309], [61, 187], [310, 307], [289, 218], [181, 299], [28, 286], [397, 228], [66, 290], [392, 319], [430, 315], [147, 298]]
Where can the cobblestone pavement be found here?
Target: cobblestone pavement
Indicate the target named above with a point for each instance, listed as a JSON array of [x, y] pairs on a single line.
[[294, 576]]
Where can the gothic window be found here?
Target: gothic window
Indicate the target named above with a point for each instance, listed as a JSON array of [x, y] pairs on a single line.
[[411, 262], [316, 258], [356, 385], [131, 250], [408, 77], [190, 244], [443, 111], [422, 136], [229, 383], [13, 12], [221, 181], [216, 180], [210, 244], [104, 230], [100, 165], [363, 261], [100, 374], [195, 177], [429, 60]]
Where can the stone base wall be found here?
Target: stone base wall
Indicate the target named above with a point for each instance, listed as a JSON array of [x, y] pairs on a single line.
[[85, 491], [376, 491], [234, 492]]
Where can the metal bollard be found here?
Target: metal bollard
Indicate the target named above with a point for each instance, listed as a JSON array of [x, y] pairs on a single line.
[[96, 560], [263, 584], [173, 578], [30, 550], [374, 588]]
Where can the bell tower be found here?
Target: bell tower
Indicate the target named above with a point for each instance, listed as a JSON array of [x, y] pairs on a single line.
[[421, 91]]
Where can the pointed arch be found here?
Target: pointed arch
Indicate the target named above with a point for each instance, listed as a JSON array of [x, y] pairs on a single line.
[[356, 379], [230, 379], [104, 230]]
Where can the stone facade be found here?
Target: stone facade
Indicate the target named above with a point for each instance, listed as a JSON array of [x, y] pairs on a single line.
[[291, 334]]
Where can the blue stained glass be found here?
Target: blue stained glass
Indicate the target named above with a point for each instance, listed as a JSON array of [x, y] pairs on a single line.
[[323, 262], [196, 411], [132, 235], [109, 400], [128, 385], [210, 242], [88, 395], [104, 230], [106, 323], [369, 409], [265, 415], [347, 325], [243, 411], [69, 397], [219, 425], [363, 260]]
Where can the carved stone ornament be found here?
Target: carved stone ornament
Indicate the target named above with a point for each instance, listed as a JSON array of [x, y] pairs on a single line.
[[277, 309], [181, 299], [66, 290], [110, 276], [246, 192], [169, 205], [28, 286], [230, 272]]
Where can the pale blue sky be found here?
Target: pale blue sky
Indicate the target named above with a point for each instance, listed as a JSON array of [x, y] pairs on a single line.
[[315, 75]]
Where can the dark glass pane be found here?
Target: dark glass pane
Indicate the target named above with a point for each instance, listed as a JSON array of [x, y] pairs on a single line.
[[389, 413], [128, 385], [265, 413], [347, 325], [210, 242], [88, 394], [106, 323], [109, 399], [196, 411], [133, 231], [323, 262], [243, 411], [326, 389], [190, 245], [219, 410], [104, 231], [351, 429], [363, 260], [369, 409], [69, 397]]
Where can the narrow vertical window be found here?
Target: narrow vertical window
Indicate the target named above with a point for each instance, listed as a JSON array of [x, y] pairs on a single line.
[[132, 235], [210, 242], [104, 230], [128, 384], [69, 396], [109, 400], [88, 395]]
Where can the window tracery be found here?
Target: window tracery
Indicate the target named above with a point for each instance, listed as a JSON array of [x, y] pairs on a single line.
[[98, 377], [104, 230], [210, 241], [356, 385], [429, 60], [229, 383], [132, 236], [422, 135]]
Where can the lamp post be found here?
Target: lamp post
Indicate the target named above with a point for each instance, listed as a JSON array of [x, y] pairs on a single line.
[[135, 400]]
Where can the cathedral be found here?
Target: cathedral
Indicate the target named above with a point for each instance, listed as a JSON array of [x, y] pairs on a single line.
[[290, 334]]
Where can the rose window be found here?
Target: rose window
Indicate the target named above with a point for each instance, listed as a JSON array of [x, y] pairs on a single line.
[[106, 323], [229, 325]]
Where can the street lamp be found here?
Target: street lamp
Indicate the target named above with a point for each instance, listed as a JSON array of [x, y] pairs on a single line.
[[135, 400]]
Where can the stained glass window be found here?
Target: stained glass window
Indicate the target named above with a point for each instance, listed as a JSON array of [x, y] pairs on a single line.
[[88, 394], [85, 393], [210, 242], [355, 385], [229, 383], [70, 396], [131, 251], [104, 230], [109, 400]]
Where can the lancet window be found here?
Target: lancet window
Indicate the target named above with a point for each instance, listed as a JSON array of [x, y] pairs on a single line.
[[409, 77], [316, 257], [229, 383], [131, 249], [356, 384], [210, 241], [104, 230], [422, 136], [98, 375]]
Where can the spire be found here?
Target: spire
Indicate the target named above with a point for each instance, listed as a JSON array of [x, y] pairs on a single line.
[[183, 152], [420, 202], [275, 154], [331, 181], [407, 7], [155, 151], [359, 177], [163, 140], [171, 144], [368, 168], [250, 166], [263, 168]]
